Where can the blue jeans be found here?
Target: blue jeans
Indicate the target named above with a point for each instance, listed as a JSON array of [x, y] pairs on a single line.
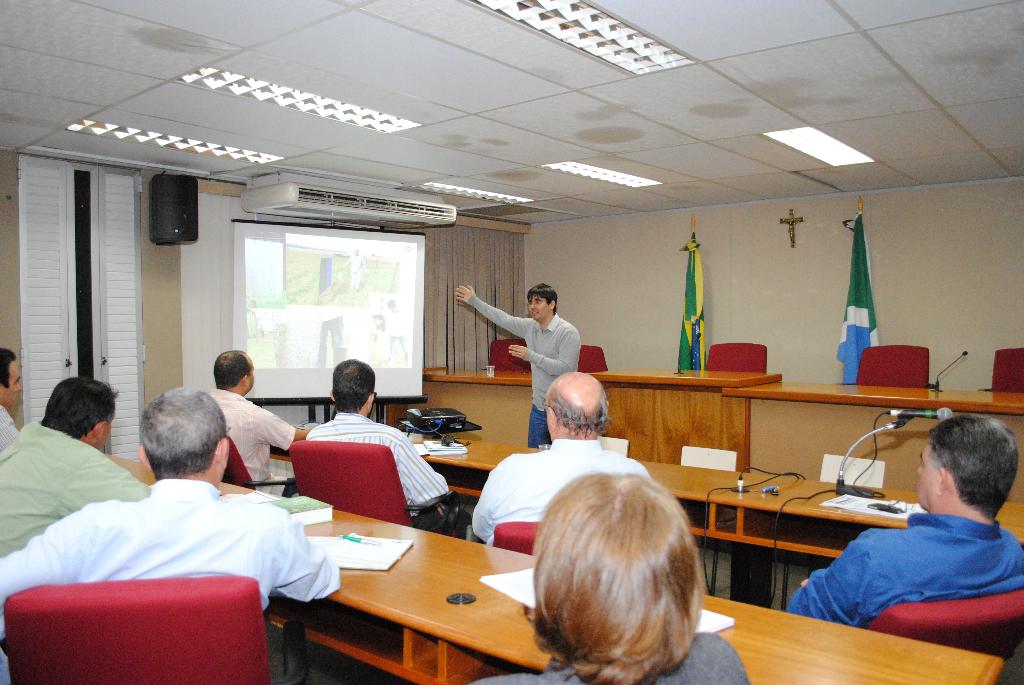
[[538, 428]]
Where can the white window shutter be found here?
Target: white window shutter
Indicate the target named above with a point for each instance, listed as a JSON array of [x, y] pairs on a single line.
[[44, 206], [121, 333]]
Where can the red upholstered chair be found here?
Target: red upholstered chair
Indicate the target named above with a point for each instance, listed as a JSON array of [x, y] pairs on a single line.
[[592, 359], [501, 360], [993, 624], [144, 632], [359, 478], [1008, 370], [516, 535], [237, 473], [351, 476], [899, 366], [738, 357]]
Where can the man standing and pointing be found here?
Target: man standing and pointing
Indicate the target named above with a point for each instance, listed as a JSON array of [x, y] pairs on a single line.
[[552, 345]]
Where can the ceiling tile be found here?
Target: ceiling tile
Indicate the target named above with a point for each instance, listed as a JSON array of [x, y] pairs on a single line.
[[835, 79], [486, 137], [336, 164], [360, 91], [634, 199], [392, 149], [874, 13], [209, 135], [860, 177], [958, 166], [36, 110], [697, 101], [901, 136], [703, 193], [999, 123], [487, 33], [89, 34], [711, 30], [233, 21], [32, 72], [701, 161], [634, 168], [150, 154], [490, 186], [243, 117], [585, 121], [962, 58], [14, 134], [1012, 158], [777, 185], [581, 207], [771, 152], [545, 180], [540, 217], [409, 63]]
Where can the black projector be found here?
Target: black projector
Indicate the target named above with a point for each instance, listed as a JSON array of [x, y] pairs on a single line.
[[441, 420]]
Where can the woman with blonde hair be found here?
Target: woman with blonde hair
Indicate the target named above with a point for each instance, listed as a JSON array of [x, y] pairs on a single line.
[[619, 591]]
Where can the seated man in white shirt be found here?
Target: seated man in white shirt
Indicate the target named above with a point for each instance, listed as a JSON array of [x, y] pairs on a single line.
[[521, 486], [182, 529], [253, 429], [352, 391], [10, 388]]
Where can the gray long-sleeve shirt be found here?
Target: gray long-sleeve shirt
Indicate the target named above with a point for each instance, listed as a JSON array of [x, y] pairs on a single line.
[[552, 351]]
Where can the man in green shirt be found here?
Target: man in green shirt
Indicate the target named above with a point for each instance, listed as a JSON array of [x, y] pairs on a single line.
[[55, 467]]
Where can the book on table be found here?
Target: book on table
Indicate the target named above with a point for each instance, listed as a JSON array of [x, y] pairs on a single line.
[[361, 552], [305, 510]]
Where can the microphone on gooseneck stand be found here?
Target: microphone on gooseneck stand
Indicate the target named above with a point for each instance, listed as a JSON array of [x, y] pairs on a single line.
[[902, 416], [935, 386]]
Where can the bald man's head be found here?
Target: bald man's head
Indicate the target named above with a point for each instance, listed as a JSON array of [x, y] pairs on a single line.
[[577, 408]]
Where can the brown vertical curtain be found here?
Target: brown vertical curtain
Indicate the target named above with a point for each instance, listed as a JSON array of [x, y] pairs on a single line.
[[455, 336]]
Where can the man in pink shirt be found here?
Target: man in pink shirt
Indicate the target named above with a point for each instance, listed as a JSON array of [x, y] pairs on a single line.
[[253, 429]]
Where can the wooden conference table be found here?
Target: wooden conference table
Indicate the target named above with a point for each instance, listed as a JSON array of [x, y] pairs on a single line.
[[751, 519], [399, 621], [778, 426]]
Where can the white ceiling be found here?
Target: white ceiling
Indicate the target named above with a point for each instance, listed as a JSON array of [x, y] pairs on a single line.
[[932, 89]]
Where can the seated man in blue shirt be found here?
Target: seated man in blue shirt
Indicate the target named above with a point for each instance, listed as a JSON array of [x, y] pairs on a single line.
[[957, 550]]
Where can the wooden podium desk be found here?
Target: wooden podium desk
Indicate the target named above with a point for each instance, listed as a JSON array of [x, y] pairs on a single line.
[[793, 424], [399, 621], [657, 410]]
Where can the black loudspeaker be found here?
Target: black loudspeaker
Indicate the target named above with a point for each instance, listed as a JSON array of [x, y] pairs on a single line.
[[173, 209]]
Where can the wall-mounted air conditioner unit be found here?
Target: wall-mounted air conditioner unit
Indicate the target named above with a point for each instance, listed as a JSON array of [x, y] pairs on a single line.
[[341, 203]]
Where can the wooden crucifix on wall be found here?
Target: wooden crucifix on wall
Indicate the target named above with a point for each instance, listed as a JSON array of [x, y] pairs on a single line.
[[792, 220]]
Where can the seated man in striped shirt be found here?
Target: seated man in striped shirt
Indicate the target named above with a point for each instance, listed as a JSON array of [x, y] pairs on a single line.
[[353, 395]]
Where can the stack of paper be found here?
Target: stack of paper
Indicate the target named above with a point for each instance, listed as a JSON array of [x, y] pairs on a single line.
[[519, 586], [435, 447], [369, 554], [862, 505]]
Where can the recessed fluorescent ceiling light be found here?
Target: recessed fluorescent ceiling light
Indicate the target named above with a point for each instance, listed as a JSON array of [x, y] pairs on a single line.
[[590, 29], [473, 192], [137, 135], [813, 142], [283, 96], [602, 174]]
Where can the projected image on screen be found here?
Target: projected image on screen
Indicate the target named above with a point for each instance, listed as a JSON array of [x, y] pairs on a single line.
[[313, 301]]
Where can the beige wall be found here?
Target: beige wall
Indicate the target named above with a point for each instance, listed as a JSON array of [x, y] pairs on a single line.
[[161, 287], [10, 311], [161, 307], [946, 266]]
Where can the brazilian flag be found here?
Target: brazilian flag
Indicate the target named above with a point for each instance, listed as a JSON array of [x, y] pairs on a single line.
[[692, 352]]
